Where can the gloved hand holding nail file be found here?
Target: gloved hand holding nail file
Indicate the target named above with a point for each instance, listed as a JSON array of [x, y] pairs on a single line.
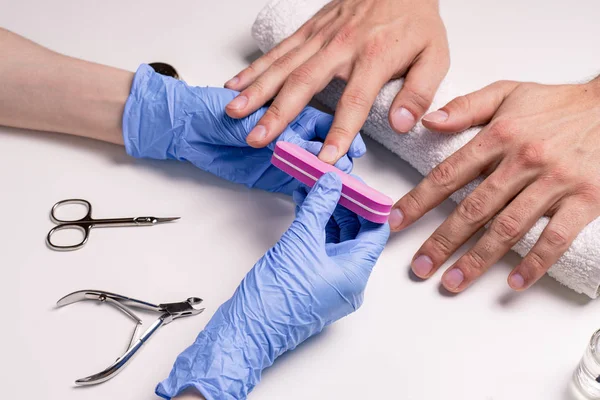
[[315, 274], [356, 196]]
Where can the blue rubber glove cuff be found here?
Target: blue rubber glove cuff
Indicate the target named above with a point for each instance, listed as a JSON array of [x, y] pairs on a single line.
[[141, 114]]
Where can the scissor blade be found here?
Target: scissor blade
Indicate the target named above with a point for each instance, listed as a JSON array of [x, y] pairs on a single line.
[[168, 219]]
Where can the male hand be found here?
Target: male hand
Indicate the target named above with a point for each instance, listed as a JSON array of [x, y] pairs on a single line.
[[363, 42], [540, 153]]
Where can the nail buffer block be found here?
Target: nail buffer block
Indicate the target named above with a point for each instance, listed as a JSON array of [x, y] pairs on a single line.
[[356, 196]]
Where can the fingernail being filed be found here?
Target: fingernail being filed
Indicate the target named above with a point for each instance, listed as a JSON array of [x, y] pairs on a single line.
[[328, 153], [436, 116], [238, 103], [403, 120], [395, 219]]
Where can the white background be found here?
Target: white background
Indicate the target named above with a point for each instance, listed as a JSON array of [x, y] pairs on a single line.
[[410, 340]]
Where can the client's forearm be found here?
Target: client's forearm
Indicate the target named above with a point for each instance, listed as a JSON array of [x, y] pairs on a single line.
[[44, 90]]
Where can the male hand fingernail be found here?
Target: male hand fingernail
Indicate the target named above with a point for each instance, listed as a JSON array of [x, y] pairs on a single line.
[[436, 116], [516, 281], [257, 134], [232, 82], [453, 278], [396, 218], [422, 266], [403, 120], [237, 103], [328, 153]]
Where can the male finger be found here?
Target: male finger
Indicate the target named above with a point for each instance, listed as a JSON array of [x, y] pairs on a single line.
[[352, 110], [504, 232], [418, 91], [473, 109], [570, 219]]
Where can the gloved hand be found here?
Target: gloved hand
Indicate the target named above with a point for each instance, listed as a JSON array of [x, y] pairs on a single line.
[[166, 119], [313, 276]]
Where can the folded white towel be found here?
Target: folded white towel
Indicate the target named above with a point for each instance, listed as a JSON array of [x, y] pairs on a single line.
[[579, 268]]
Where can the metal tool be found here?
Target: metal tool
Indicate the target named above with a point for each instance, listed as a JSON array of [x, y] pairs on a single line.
[[168, 311], [86, 223]]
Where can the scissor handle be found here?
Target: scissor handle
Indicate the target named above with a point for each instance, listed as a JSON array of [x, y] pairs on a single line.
[[85, 203], [85, 228]]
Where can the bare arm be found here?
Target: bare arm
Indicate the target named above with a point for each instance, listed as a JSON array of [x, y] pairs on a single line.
[[44, 90]]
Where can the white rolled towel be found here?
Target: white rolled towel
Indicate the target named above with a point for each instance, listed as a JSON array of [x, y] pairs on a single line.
[[578, 268]]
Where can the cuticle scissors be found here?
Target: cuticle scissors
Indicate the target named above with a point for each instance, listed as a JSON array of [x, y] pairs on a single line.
[[86, 223]]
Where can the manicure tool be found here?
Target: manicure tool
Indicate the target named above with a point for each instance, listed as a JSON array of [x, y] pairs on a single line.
[[356, 196], [86, 223], [168, 311]]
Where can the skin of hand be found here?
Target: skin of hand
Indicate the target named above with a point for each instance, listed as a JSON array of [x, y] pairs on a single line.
[[363, 42], [540, 156]]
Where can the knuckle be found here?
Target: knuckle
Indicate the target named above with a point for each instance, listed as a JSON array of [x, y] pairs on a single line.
[[418, 98], [344, 36], [274, 112], [474, 260], [301, 76], [461, 104], [413, 204], [472, 209], [507, 228], [588, 193], [285, 62], [444, 175], [341, 132], [354, 99], [535, 264], [502, 130], [504, 83], [253, 67], [272, 55], [257, 88], [441, 244], [557, 237], [531, 155]]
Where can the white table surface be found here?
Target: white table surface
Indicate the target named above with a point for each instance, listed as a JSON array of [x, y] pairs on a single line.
[[408, 341]]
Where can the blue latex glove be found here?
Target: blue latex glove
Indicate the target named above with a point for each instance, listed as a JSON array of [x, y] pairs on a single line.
[[166, 119], [315, 275]]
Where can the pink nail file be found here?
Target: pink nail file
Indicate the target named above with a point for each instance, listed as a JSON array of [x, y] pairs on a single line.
[[356, 196]]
